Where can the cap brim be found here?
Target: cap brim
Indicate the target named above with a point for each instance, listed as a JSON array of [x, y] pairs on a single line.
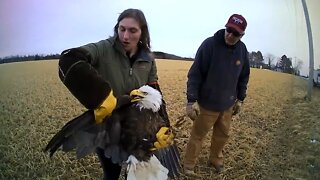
[[235, 27]]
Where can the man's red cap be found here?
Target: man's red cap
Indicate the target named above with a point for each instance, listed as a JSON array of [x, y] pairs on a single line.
[[237, 22]]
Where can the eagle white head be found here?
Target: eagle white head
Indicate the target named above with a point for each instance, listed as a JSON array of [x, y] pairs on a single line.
[[147, 97]]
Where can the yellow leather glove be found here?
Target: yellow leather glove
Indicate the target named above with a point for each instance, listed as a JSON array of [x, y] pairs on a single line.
[[193, 110], [236, 107], [164, 138], [106, 108]]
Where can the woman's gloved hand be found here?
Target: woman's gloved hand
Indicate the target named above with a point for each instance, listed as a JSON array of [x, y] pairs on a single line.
[[106, 108]]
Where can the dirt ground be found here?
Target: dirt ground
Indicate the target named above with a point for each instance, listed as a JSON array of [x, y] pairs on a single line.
[[276, 135]]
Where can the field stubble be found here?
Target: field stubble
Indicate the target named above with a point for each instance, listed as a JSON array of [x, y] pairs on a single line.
[[276, 135]]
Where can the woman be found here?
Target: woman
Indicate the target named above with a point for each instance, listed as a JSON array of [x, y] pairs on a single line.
[[99, 72]]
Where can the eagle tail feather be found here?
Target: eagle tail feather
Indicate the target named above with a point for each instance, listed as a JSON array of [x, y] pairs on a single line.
[[174, 159], [170, 158]]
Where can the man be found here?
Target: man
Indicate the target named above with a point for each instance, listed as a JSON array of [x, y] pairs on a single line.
[[216, 88]]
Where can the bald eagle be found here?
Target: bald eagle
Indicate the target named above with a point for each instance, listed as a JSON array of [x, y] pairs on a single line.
[[127, 136]]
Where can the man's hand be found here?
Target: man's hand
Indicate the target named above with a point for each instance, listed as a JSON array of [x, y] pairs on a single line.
[[106, 108], [164, 138], [193, 110], [236, 107]]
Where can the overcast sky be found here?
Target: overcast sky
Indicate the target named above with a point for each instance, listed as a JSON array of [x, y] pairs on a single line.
[[176, 26]]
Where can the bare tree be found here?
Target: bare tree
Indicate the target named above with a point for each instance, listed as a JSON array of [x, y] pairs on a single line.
[[270, 59], [297, 65]]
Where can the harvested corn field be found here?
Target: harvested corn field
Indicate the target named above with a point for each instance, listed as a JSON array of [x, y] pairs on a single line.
[[276, 135]]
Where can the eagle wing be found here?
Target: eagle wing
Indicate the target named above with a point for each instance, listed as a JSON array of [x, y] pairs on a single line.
[[129, 131], [66, 136]]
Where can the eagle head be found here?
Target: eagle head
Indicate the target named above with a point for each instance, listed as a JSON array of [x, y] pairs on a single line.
[[147, 97]]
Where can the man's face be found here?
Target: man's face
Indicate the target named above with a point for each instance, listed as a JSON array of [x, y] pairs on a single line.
[[232, 36], [129, 32]]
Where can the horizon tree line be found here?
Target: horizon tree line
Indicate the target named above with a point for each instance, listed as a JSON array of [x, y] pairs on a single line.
[[256, 60]]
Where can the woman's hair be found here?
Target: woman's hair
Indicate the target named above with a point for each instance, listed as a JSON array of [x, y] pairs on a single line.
[[138, 16]]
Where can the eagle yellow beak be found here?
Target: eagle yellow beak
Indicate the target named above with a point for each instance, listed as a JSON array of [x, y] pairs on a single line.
[[137, 95]]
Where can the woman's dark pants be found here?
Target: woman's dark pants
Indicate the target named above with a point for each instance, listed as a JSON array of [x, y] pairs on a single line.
[[111, 171]]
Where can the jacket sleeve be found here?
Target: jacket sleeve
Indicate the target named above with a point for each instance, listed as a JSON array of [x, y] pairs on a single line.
[[243, 79], [153, 77], [198, 71], [83, 81]]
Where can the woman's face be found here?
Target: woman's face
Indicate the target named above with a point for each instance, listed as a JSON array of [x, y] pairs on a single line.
[[129, 32]]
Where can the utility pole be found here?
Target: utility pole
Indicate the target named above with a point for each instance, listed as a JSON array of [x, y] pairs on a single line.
[[311, 60]]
